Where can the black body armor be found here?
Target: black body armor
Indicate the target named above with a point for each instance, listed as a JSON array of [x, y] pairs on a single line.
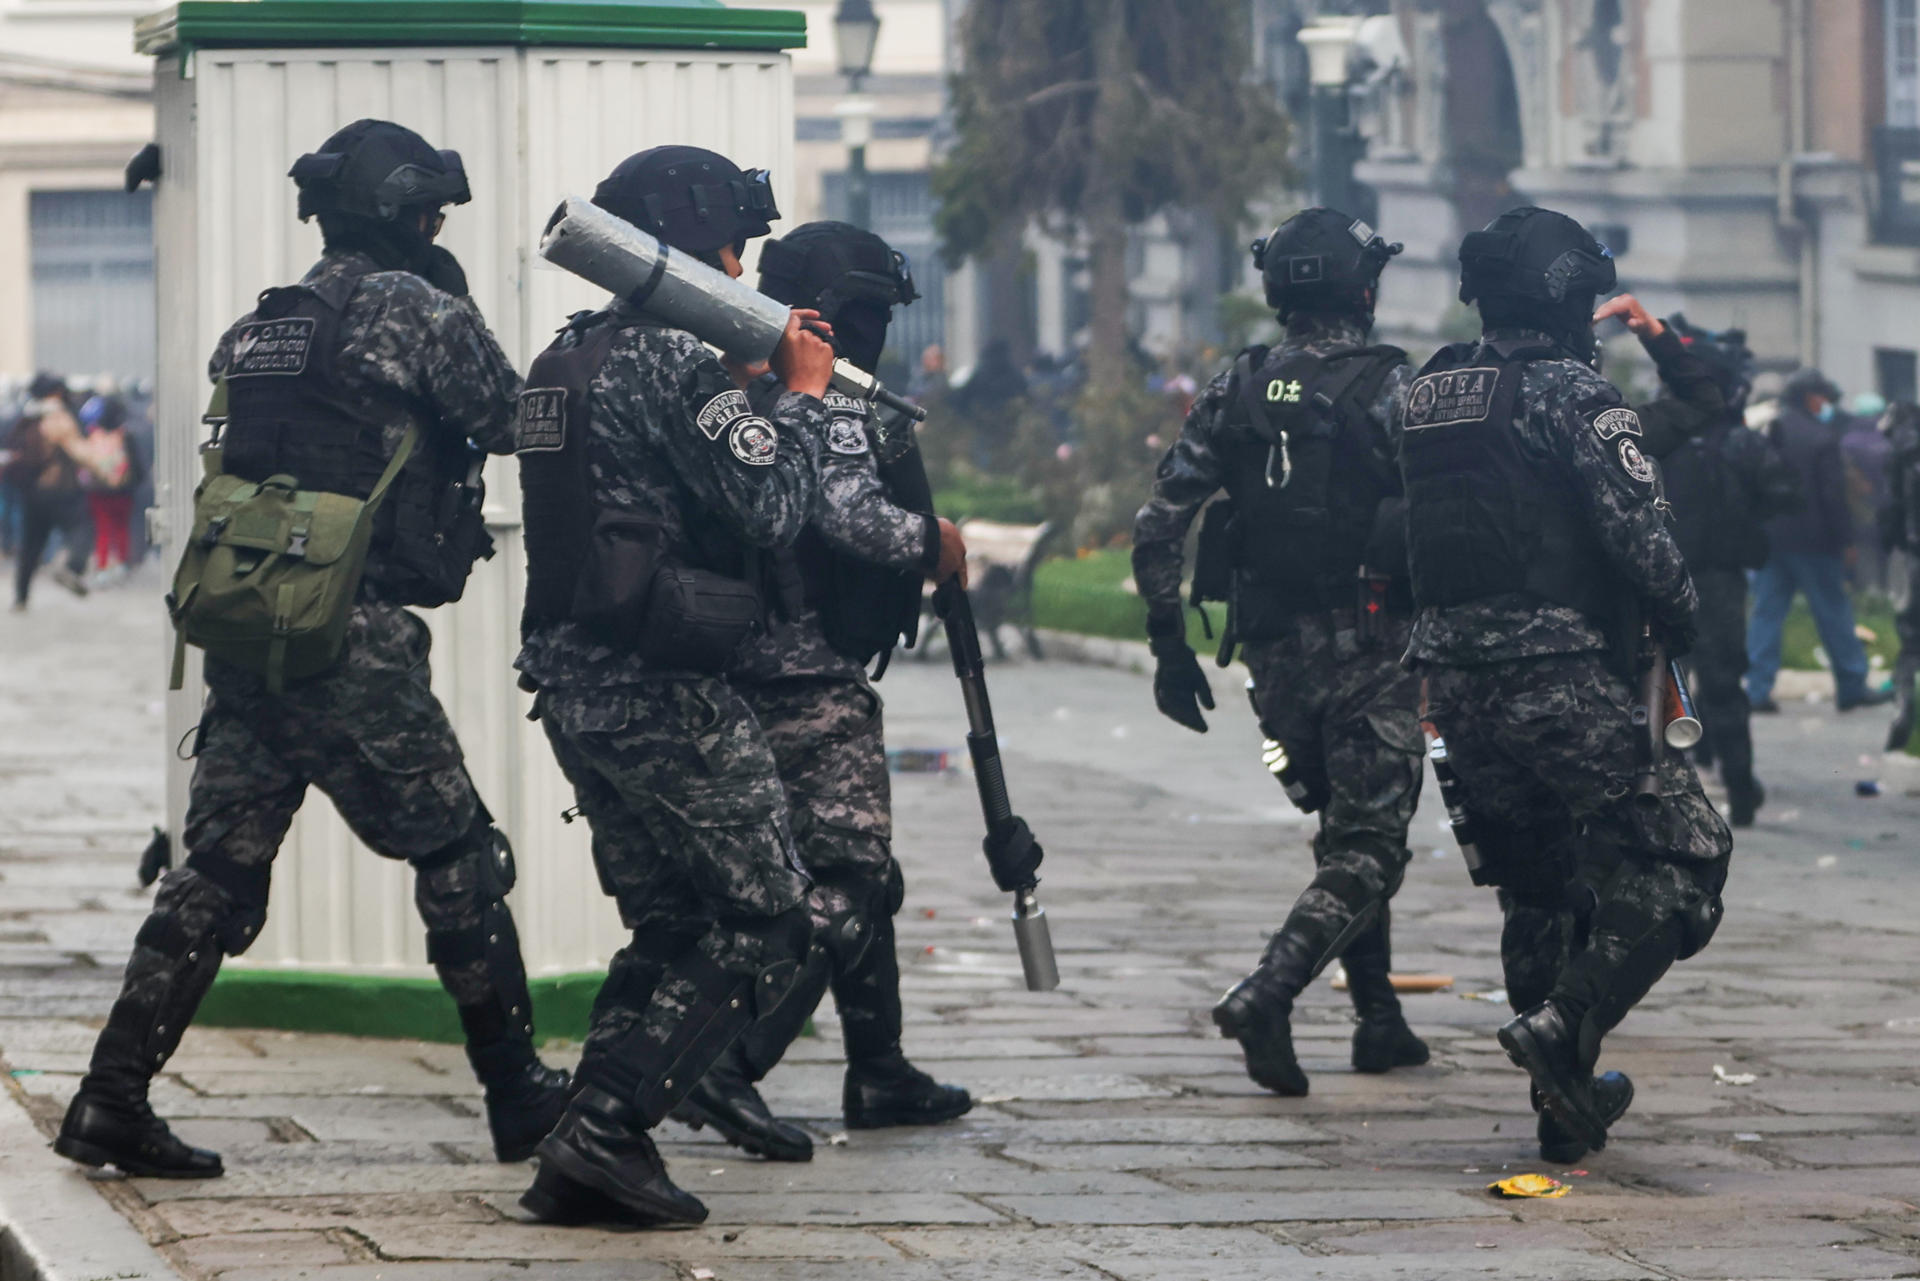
[[1715, 520], [1314, 495], [288, 413], [867, 609], [679, 603], [1483, 518]]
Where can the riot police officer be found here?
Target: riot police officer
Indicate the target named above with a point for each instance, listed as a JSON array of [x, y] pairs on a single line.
[[1536, 533], [1900, 529], [377, 345], [861, 561], [1725, 484], [1301, 438], [655, 491]]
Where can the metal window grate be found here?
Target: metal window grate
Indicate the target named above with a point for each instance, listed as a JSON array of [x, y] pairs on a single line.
[[93, 300]]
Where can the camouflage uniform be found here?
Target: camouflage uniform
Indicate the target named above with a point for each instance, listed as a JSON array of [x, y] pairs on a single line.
[[1901, 529], [822, 718], [1346, 711], [671, 769], [368, 732], [1537, 724]]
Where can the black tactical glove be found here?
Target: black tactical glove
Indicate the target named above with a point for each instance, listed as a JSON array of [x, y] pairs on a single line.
[[1178, 683], [1679, 635], [439, 268]]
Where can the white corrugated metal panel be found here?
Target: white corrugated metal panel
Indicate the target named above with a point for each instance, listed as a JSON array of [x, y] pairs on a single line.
[[531, 126]]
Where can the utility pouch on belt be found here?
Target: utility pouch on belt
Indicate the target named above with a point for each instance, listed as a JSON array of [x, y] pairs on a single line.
[[696, 619], [1214, 556], [269, 575]]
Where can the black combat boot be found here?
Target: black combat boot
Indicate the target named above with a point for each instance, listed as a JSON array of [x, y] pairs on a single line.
[[1744, 801], [726, 1100], [175, 957], [1541, 1042], [1612, 1091], [882, 1087], [125, 1133], [525, 1097], [1257, 1012], [1383, 1040], [887, 1090], [601, 1147]]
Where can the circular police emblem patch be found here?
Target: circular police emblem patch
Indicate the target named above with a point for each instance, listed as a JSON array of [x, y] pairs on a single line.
[[1420, 403], [845, 436], [1635, 462], [754, 442]]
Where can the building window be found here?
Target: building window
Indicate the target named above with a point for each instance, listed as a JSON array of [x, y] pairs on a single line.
[[1903, 63], [1896, 373]]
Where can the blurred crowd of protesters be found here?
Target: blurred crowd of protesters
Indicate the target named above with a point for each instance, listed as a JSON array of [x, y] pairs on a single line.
[[75, 468]]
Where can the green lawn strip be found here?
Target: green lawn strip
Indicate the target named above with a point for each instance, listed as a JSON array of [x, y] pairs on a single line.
[[379, 1005]]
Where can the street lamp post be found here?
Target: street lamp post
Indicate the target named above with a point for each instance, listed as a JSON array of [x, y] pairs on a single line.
[[1328, 42], [856, 29]]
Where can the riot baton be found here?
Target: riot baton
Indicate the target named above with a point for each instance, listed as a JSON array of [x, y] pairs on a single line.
[[1013, 855], [684, 292]]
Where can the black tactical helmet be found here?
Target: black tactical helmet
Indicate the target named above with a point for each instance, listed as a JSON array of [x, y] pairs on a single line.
[[373, 169], [850, 276], [1725, 353], [1321, 260], [1535, 256], [693, 199], [825, 265]]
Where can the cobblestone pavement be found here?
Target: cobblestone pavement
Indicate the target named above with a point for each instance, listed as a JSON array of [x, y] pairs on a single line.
[[1115, 1137]]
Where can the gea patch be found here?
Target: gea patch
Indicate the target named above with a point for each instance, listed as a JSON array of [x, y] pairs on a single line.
[[540, 421], [845, 436], [1457, 396], [1635, 462], [722, 411], [271, 347], [1617, 422], [754, 442]]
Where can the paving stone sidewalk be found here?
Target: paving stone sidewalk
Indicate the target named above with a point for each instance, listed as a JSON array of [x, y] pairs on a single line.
[[1116, 1137]]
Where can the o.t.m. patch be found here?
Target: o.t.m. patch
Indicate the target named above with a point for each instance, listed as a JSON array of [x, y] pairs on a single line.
[[540, 421], [754, 441], [271, 347], [1634, 462], [1455, 396]]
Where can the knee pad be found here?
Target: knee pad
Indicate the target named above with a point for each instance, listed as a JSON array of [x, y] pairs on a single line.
[[240, 908], [772, 949]]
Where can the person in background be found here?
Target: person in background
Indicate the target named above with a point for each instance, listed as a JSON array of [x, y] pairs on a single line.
[[930, 379], [46, 452], [1808, 551], [109, 485], [1900, 531], [1866, 453]]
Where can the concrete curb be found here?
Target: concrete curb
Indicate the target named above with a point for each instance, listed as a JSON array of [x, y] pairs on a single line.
[[53, 1226]]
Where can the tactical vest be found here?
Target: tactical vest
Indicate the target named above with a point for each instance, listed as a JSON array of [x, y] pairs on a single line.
[[1308, 484], [1714, 521], [867, 609], [287, 412], [1484, 519], [679, 602]]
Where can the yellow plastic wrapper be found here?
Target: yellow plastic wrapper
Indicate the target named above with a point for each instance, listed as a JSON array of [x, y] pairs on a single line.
[[1529, 1185]]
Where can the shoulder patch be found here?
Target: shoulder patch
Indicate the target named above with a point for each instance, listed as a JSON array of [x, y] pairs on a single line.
[[540, 421], [754, 441], [840, 403], [271, 347], [1634, 462], [1617, 422], [845, 436], [722, 412], [1454, 396]]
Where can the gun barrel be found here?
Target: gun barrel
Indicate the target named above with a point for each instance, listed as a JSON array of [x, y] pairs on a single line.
[[1683, 729]]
